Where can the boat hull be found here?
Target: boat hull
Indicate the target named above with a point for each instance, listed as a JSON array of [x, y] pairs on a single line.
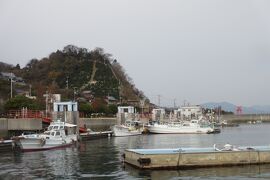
[[163, 129], [40, 144], [47, 148], [120, 131], [95, 135]]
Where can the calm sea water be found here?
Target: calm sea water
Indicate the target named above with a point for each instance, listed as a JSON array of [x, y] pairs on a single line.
[[101, 159]]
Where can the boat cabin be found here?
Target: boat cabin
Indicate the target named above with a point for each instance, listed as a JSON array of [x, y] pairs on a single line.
[[59, 128]]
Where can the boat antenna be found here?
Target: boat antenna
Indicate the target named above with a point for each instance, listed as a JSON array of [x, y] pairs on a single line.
[[65, 115]]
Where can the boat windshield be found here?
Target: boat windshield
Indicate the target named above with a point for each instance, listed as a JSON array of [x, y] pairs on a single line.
[[186, 124], [52, 133], [57, 133]]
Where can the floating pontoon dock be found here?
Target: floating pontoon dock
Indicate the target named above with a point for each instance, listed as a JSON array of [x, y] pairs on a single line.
[[184, 158], [95, 135]]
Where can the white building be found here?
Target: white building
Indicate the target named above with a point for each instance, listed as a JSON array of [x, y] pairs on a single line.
[[126, 109], [66, 111], [125, 113], [158, 114], [189, 112], [65, 106]]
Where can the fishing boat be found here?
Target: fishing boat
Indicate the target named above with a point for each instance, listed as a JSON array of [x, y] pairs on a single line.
[[192, 127], [130, 128], [59, 134]]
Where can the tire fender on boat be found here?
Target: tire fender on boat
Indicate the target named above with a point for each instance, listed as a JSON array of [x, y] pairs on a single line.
[[42, 142]]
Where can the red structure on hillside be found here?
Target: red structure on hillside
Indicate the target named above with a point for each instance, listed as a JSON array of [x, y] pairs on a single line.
[[239, 110]]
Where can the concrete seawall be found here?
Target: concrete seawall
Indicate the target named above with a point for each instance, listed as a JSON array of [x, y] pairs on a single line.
[[98, 124], [21, 124], [105, 123], [3, 127], [24, 124], [246, 117]]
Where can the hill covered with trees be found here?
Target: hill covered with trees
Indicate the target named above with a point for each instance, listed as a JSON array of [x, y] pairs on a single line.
[[72, 71]]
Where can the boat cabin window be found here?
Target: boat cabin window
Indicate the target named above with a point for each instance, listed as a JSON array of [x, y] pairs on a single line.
[[61, 127], [50, 128], [52, 133], [57, 133], [55, 127]]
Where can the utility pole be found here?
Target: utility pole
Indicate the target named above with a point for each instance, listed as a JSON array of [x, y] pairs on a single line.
[[46, 104], [119, 91], [184, 102], [159, 100], [142, 102], [74, 93], [11, 80], [174, 103], [30, 88], [67, 82]]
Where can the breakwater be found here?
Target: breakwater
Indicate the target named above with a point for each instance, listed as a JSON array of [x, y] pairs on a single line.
[[244, 118]]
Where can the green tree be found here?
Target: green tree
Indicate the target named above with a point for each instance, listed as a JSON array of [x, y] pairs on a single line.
[[111, 109], [99, 105], [19, 102], [86, 108]]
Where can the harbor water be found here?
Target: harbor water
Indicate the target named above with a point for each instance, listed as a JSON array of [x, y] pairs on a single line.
[[101, 158]]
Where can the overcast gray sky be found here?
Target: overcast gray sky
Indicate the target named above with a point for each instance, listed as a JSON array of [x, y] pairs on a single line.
[[193, 50]]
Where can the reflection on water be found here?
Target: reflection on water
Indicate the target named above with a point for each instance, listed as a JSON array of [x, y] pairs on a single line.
[[50, 164], [236, 172], [101, 159]]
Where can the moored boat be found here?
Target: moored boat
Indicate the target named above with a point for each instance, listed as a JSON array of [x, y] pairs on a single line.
[[192, 127], [130, 128], [59, 135]]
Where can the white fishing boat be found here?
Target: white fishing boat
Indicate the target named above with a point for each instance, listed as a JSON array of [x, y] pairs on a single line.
[[192, 127], [59, 135], [130, 128]]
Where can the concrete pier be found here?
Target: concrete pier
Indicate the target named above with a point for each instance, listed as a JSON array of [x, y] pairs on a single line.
[[203, 157], [28, 124], [244, 118], [98, 124]]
